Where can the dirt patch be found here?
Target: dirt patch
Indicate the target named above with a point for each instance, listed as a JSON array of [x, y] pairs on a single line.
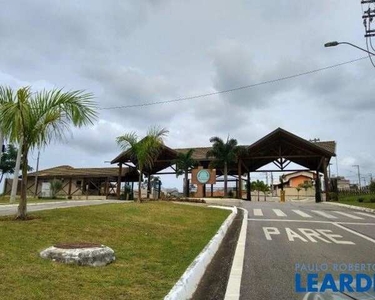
[[214, 282]]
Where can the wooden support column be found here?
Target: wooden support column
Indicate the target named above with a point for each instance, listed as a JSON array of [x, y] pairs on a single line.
[[148, 186], [239, 190], [248, 187], [118, 191], [212, 190], [204, 191], [318, 195], [36, 187], [326, 182], [106, 188], [70, 188]]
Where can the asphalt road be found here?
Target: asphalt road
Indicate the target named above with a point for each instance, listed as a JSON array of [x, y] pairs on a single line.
[[12, 209], [288, 238]]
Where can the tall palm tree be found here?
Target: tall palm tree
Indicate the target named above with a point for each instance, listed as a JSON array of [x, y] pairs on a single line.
[[35, 119], [225, 153], [143, 152], [184, 163]]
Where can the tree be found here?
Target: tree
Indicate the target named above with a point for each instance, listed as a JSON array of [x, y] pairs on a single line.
[[56, 186], [306, 185], [8, 161], [372, 187], [260, 186], [256, 186], [143, 152], [265, 189], [184, 163], [38, 118], [224, 154], [298, 188]]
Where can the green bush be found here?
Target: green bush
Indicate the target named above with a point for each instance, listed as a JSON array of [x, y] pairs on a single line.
[[333, 196], [372, 200], [361, 199]]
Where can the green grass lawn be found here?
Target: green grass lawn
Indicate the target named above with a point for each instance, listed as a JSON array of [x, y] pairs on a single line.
[[154, 243], [353, 200]]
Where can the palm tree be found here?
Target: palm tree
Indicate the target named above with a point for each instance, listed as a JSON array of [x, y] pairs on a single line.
[[224, 154], [298, 188], [143, 152], [35, 119], [184, 163], [257, 186]]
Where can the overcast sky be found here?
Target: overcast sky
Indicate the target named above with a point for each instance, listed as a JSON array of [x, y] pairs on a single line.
[[131, 52]]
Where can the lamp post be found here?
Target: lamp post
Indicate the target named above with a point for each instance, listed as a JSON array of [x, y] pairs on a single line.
[[335, 43]]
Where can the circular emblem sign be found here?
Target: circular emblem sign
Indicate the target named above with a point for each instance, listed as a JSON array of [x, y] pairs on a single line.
[[203, 176]]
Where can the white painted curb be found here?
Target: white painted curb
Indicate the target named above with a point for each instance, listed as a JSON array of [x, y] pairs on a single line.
[[188, 282], [366, 209], [234, 282]]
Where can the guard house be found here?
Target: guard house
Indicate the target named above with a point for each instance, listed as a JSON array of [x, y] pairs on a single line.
[[279, 148]]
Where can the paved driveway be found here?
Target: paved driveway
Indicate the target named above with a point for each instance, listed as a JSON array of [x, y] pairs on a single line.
[[284, 237], [12, 209]]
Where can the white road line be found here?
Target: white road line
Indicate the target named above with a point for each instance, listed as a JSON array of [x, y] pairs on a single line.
[[348, 215], [311, 221], [355, 232], [365, 214], [301, 213], [257, 212], [286, 220], [324, 214], [279, 213]]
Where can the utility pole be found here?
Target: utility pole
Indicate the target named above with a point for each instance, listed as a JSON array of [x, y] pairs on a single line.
[[370, 174], [359, 176], [364, 180], [36, 174]]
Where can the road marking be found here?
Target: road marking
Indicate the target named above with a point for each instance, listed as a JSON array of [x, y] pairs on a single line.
[[301, 213], [257, 212], [312, 235], [355, 232], [270, 230], [366, 214], [311, 221], [348, 215], [279, 213], [324, 214]]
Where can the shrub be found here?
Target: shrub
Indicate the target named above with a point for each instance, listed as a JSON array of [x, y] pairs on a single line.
[[333, 196], [361, 199], [372, 200]]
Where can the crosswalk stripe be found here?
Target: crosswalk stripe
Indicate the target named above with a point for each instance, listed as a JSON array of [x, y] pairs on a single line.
[[279, 213], [365, 214], [324, 214], [257, 212], [301, 213], [349, 215]]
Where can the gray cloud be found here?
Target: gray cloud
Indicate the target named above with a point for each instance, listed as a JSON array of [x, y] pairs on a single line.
[[133, 52]]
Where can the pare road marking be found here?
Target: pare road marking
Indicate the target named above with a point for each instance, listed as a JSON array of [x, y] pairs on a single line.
[[307, 235]]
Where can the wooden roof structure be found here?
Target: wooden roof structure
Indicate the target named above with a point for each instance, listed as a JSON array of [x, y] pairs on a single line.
[[65, 171], [279, 147]]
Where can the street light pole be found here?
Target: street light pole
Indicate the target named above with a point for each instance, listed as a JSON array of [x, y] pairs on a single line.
[[335, 43], [359, 176]]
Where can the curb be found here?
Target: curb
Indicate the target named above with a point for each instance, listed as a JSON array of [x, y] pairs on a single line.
[[234, 282], [366, 209], [188, 282]]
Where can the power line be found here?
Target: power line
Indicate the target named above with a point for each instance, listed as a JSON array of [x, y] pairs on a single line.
[[233, 89]]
